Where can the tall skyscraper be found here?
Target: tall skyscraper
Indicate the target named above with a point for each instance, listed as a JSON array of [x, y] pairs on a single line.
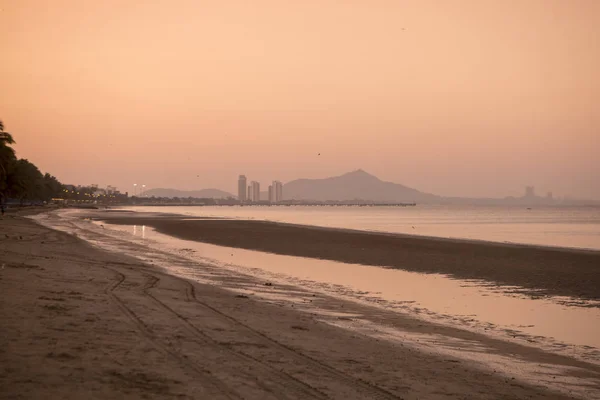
[[242, 188], [250, 193], [255, 190], [271, 198], [277, 191], [529, 191]]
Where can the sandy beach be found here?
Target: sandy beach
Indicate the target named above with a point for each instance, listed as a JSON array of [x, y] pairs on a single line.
[[82, 322]]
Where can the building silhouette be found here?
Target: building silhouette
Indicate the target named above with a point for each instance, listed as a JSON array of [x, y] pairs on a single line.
[[529, 191], [251, 192], [255, 186], [242, 196], [277, 191]]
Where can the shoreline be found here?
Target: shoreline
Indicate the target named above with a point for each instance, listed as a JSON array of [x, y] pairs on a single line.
[[458, 240], [78, 320], [538, 270], [476, 306], [132, 209]]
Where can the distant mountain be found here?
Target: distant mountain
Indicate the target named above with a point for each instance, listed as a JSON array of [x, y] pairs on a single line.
[[360, 185], [203, 193], [353, 185]]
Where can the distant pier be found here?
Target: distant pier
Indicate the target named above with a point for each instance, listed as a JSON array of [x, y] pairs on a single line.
[[327, 204], [266, 204]]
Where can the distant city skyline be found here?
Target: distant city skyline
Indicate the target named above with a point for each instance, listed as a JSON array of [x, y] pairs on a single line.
[[359, 185], [252, 192], [274, 191]]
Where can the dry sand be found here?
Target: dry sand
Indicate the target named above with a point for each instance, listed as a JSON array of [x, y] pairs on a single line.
[[79, 322]]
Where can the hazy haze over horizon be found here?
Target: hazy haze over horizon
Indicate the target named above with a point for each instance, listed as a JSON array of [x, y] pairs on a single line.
[[457, 98]]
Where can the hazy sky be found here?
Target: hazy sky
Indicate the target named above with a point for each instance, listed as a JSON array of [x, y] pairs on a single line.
[[453, 97]]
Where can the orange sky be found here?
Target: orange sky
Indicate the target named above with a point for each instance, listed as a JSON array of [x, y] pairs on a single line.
[[454, 97]]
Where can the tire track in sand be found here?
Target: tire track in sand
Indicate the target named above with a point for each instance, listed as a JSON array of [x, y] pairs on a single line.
[[287, 384], [205, 375], [366, 389], [370, 390]]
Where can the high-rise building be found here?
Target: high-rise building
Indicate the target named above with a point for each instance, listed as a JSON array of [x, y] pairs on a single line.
[[255, 190], [277, 191], [242, 188], [249, 197], [271, 198], [529, 191]]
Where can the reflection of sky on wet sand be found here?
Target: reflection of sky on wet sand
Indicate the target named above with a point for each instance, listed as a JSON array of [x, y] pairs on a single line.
[[139, 232], [464, 303]]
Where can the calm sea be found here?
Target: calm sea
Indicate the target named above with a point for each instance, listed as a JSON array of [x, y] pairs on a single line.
[[577, 227]]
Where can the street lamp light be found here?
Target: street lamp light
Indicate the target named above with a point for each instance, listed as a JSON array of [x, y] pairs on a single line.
[[143, 189], [134, 189]]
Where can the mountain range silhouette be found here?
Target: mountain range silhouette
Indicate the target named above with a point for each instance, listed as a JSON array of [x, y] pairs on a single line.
[[361, 185], [357, 184]]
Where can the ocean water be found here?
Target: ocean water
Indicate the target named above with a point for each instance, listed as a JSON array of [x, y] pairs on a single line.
[[574, 227]]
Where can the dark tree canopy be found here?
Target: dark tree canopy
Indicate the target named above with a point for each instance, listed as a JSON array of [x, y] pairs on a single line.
[[21, 179], [7, 158]]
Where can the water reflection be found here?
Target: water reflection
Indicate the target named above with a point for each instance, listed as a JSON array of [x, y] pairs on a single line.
[[143, 231], [427, 295]]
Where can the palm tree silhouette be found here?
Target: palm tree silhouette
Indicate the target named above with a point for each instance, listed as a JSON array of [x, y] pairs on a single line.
[[5, 137], [7, 156]]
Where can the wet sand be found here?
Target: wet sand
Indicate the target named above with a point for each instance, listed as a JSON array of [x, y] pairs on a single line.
[[540, 270], [497, 311], [80, 322]]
